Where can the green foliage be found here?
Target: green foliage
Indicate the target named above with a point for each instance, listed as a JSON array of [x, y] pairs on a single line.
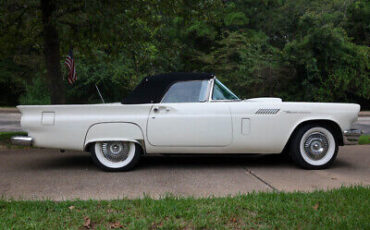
[[357, 22], [295, 49], [245, 62], [201, 29], [329, 67], [237, 19], [36, 93], [11, 85]]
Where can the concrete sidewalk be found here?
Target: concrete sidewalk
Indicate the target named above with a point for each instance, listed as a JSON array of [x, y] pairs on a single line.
[[41, 173]]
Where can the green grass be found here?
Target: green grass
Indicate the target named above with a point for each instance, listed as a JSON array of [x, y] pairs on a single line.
[[364, 140], [344, 208]]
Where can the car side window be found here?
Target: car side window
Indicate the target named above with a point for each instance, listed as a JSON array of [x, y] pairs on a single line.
[[221, 92], [187, 91]]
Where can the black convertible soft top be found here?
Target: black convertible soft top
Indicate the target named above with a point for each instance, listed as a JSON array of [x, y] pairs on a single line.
[[152, 88]]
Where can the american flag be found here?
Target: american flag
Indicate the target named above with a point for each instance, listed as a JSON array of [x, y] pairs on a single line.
[[70, 64]]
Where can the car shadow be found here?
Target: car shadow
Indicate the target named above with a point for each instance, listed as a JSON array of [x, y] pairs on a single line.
[[84, 162], [214, 161]]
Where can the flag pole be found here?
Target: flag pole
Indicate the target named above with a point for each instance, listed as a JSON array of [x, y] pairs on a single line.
[[101, 97]]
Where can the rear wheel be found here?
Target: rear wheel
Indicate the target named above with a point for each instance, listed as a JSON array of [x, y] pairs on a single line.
[[314, 147], [115, 155]]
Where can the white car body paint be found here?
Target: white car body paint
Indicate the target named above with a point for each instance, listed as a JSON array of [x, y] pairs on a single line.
[[202, 127], [190, 125]]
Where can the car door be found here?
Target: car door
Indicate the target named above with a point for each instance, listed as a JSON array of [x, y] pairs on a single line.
[[185, 118]]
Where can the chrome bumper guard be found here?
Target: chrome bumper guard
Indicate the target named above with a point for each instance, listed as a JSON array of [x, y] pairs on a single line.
[[351, 136], [21, 140]]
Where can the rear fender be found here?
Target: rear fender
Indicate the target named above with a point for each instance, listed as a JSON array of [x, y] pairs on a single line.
[[114, 131]]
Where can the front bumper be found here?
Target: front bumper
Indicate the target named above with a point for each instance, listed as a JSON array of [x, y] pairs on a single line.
[[351, 136], [21, 140]]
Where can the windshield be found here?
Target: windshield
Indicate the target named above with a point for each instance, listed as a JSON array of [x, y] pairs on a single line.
[[221, 92]]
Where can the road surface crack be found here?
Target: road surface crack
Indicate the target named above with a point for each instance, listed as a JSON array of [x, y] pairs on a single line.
[[262, 180]]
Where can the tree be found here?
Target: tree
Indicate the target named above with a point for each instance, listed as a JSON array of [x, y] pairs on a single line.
[[52, 52], [295, 49], [57, 25]]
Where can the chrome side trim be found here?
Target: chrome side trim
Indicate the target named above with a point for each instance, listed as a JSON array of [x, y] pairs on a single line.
[[21, 140], [212, 83], [297, 112], [351, 136]]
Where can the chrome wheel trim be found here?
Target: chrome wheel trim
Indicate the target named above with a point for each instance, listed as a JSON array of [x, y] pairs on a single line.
[[115, 154], [317, 146], [115, 151]]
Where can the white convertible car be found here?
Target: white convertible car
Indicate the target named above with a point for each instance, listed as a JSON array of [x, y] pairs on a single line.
[[192, 113]]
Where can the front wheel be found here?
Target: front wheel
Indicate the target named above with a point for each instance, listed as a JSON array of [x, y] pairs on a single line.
[[314, 147], [115, 155]]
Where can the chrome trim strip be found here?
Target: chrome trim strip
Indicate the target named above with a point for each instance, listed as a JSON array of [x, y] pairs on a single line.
[[21, 140], [211, 91], [297, 112], [351, 136]]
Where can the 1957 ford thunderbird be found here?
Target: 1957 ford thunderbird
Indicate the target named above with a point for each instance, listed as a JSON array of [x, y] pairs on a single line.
[[192, 113]]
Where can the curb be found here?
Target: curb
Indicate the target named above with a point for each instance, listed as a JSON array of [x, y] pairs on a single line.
[[9, 110]]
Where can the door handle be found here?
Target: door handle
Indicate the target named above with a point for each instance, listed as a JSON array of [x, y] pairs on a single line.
[[156, 109]]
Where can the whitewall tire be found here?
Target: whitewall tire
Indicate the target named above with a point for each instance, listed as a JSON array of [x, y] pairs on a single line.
[[314, 147], [115, 155]]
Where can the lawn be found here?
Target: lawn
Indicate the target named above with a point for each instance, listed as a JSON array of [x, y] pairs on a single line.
[[364, 140], [344, 208]]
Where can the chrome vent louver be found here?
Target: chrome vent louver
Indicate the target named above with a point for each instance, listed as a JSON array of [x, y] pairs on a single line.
[[267, 111]]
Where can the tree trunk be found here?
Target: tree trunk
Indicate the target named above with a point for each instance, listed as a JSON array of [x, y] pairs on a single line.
[[52, 53]]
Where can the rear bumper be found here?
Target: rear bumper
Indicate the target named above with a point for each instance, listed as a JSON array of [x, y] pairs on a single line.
[[22, 140], [351, 136]]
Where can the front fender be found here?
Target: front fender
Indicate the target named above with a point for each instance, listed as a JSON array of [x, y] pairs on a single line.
[[319, 119], [114, 131]]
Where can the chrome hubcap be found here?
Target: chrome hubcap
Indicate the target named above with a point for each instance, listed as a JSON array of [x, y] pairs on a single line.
[[316, 145], [115, 151]]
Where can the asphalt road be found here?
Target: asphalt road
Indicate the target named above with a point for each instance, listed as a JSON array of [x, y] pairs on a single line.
[[49, 174], [10, 122]]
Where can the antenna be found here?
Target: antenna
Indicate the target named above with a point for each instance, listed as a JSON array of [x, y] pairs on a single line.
[[101, 97]]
